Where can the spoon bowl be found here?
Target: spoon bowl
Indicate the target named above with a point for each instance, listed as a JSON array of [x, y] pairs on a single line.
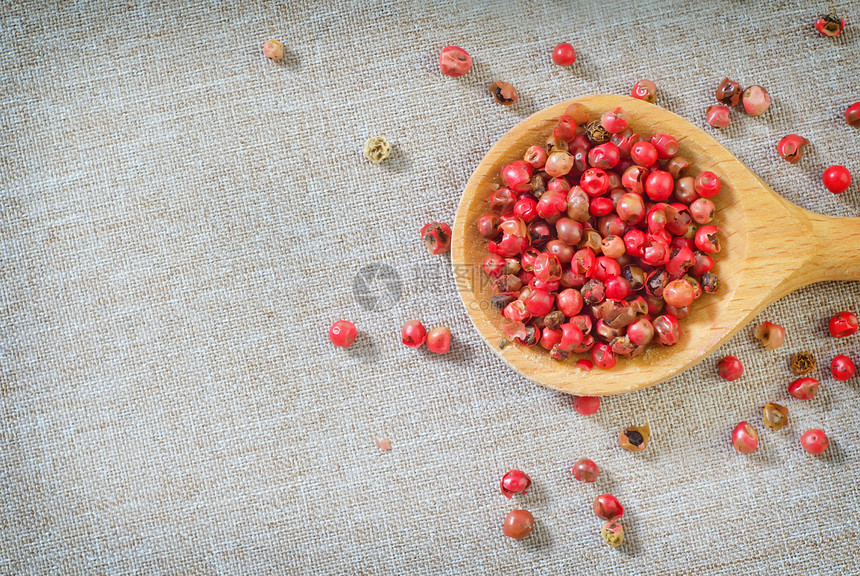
[[770, 247]]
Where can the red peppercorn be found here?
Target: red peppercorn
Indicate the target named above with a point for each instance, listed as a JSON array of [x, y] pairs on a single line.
[[643, 154], [594, 181], [515, 482], [718, 116], [667, 146], [437, 237], [667, 330], [454, 61], [755, 100], [519, 524], [585, 365], [792, 147], [837, 179], [659, 185], [852, 114], [614, 121], [843, 324], [586, 405], [830, 25], [603, 356], [439, 340], [730, 368], [729, 92], [414, 334], [564, 54], [540, 302], [702, 210], [707, 184], [585, 470], [707, 240], [745, 438], [607, 507], [565, 129], [645, 90], [536, 156], [804, 388], [488, 226], [814, 441], [517, 176], [604, 156], [678, 293], [842, 368], [342, 333]]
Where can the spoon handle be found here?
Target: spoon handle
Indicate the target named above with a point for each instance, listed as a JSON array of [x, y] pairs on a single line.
[[837, 256]]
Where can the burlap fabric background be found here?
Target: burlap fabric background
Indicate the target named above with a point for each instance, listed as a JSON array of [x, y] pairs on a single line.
[[182, 220]]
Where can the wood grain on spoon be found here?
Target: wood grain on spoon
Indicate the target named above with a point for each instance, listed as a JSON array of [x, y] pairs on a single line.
[[770, 247]]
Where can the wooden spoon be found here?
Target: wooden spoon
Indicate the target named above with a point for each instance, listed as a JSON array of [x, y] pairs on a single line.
[[770, 247]]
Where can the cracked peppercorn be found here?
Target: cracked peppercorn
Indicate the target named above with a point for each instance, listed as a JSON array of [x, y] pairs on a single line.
[[377, 149], [802, 363], [504, 93]]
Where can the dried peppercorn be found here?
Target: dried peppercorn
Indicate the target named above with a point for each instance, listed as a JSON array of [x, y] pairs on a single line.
[[504, 93], [597, 133], [771, 335], [274, 50], [613, 534], [830, 25], [437, 237], [519, 524], [775, 415], [635, 438], [802, 363], [729, 92], [377, 149]]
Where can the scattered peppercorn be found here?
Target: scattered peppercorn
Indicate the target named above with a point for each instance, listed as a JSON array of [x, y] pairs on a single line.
[[437, 237], [613, 534], [842, 368], [377, 149], [414, 334], [342, 333], [730, 368], [755, 100], [384, 444], [586, 405], [814, 441], [564, 54], [837, 179], [745, 438], [519, 524], [843, 324], [439, 340], [771, 335], [792, 147], [273, 50], [607, 507], [852, 115], [515, 482], [645, 90], [729, 92], [830, 25], [504, 93], [804, 388], [718, 116], [635, 438], [775, 415], [454, 61], [585, 470], [802, 363]]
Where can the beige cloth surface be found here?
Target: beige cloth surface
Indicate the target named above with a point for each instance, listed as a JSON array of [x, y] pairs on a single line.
[[182, 220]]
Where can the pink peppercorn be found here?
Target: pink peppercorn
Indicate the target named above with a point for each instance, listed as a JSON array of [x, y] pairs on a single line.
[[645, 90], [439, 340], [274, 50], [585, 470], [843, 324], [745, 438], [814, 441], [842, 368], [607, 507], [342, 333], [852, 114], [564, 54], [586, 405], [515, 482], [454, 61], [718, 116], [804, 388], [730, 368], [414, 334], [837, 179]]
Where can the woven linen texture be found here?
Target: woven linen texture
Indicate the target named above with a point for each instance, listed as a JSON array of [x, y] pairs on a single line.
[[182, 220]]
